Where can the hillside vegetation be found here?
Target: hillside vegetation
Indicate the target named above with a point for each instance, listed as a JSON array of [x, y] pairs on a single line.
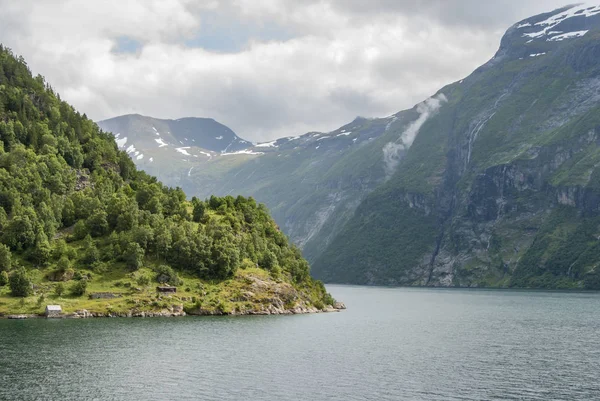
[[76, 216]]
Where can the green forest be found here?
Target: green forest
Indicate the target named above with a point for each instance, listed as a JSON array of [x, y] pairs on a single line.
[[76, 214]]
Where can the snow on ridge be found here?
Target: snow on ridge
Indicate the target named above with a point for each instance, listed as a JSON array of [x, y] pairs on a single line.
[[219, 137], [523, 25], [266, 144], [242, 152], [205, 154], [536, 54], [183, 151], [568, 35], [554, 20], [344, 133], [161, 143], [130, 149]]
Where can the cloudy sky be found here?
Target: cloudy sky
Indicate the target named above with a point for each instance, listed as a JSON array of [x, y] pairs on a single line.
[[265, 68]]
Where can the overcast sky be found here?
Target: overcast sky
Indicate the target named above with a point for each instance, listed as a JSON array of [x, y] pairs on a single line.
[[265, 68]]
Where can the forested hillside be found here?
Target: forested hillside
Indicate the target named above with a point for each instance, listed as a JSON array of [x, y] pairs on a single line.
[[75, 210]]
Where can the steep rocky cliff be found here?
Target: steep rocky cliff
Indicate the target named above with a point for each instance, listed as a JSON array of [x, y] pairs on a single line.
[[501, 184]]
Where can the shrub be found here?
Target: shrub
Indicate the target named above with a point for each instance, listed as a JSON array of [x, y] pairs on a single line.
[[3, 278], [20, 284], [143, 280], [59, 289], [79, 288], [5, 258], [166, 274]]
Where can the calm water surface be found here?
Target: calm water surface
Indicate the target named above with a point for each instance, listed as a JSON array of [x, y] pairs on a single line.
[[391, 344]]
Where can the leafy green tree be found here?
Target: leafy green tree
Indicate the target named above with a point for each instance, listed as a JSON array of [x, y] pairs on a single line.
[[199, 210], [3, 278], [79, 288], [97, 224], [59, 289], [133, 256], [5, 258], [91, 254], [80, 230], [20, 284], [166, 274], [19, 233], [41, 253]]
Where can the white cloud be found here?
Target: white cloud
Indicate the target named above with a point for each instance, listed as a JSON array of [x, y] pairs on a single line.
[[334, 63]]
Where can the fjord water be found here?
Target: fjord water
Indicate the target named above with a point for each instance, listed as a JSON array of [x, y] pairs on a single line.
[[391, 344]]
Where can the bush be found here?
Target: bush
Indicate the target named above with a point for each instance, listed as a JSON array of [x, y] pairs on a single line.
[[166, 274], [5, 258], [20, 284], [3, 279], [134, 256], [143, 280], [79, 288], [59, 289]]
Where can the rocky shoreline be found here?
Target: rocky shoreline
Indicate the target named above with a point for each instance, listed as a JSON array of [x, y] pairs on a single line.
[[178, 311]]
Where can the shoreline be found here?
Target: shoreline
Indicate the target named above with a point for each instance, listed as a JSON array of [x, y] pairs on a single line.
[[179, 312]]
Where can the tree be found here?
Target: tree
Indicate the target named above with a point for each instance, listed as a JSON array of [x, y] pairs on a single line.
[[20, 284], [59, 289], [41, 253], [91, 254], [199, 210], [79, 288], [5, 258], [133, 256], [97, 224], [3, 278], [19, 233], [165, 274]]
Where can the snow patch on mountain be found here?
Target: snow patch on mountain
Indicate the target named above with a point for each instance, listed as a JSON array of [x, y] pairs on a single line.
[[140, 157], [266, 144], [121, 141], [242, 152], [568, 35], [130, 149], [161, 143], [554, 20], [183, 151]]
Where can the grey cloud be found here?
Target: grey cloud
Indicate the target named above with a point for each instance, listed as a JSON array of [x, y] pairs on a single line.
[[337, 59]]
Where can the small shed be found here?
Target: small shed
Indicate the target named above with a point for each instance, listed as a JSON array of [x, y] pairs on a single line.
[[53, 310], [166, 289]]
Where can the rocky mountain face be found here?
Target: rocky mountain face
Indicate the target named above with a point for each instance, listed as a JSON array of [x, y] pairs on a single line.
[[501, 186]]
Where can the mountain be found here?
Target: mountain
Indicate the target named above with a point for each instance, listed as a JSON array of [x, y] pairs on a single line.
[[312, 183], [501, 186], [78, 218]]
